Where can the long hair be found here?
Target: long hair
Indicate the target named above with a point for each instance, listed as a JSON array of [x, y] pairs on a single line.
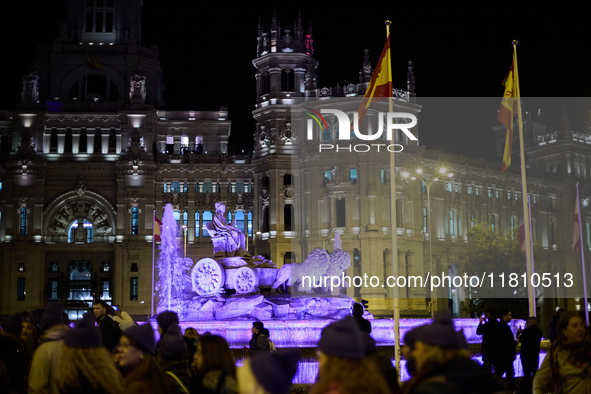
[[437, 357], [150, 373], [216, 355], [579, 353], [350, 377], [94, 365]]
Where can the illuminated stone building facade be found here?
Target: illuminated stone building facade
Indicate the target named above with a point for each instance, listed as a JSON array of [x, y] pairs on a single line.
[[89, 157]]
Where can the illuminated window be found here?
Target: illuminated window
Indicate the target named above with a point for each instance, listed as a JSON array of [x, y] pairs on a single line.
[[76, 237], [353, 176], [135, 220], [207, 218], [24, 220], [196, 224]]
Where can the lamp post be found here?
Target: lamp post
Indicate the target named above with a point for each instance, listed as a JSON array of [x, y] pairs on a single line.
[[428, 182], [185, 234]]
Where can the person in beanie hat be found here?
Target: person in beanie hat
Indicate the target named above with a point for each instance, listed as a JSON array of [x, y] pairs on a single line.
[[443, 363], [269, 373], [380, 362], [45, 359], [341, 365], [214, 368], [13, 325], [138, 362], [172, 355], [166, 319], [85, 365], [14, 359], [410, 339], [342, 339]]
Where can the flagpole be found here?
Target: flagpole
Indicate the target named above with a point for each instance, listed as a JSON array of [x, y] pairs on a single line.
[[528, 251], [394, 235], [531, 264], [582, 256], [153, 243]]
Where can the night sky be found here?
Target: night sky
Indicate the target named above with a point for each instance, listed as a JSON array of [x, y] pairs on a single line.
[[206, 49]]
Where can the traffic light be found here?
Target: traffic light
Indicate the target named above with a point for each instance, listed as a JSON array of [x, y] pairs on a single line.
[[365, 304]]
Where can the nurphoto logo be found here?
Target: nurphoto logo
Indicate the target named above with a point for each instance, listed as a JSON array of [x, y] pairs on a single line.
[[345, 125]]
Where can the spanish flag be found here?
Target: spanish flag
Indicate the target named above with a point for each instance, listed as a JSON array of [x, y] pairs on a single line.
[[157, 229], [92, 63], [380, 85], [508, 110]]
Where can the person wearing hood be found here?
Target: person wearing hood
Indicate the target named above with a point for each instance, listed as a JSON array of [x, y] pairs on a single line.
[[172, 355], [443, 363], [14, 359], [45, 358], [341, 365], [268, 373], [85, 366]]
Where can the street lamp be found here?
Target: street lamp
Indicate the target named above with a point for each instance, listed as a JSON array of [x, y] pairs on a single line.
[[185, 234], [428, 181]]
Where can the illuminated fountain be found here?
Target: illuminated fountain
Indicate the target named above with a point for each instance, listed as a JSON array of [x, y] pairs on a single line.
[[225, 293], [232, 285]]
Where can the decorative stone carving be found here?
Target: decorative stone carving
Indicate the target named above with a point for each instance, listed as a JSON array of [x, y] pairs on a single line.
[[207, 277], [30, 93], [137, 88], [245, 280], [287, 135]]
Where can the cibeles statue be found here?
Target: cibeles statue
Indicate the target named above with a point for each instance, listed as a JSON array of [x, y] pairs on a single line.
[[228, 241]]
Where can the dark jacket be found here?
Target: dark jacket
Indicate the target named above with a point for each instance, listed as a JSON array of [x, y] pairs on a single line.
[[110, 332], [530, 339], [459, 377], [14, 366], [505, 345], [182, 376], [214, 382], [364, 325], [488, 331], [259, 343]]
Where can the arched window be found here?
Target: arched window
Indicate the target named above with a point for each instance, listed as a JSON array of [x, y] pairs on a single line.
[[77, 236], [197, 224]]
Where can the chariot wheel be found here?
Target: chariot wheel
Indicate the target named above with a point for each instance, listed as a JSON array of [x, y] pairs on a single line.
[[207, 276], [245, 280]]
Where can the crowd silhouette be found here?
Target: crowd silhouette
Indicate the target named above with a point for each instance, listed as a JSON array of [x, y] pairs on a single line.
[[107, 352]]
